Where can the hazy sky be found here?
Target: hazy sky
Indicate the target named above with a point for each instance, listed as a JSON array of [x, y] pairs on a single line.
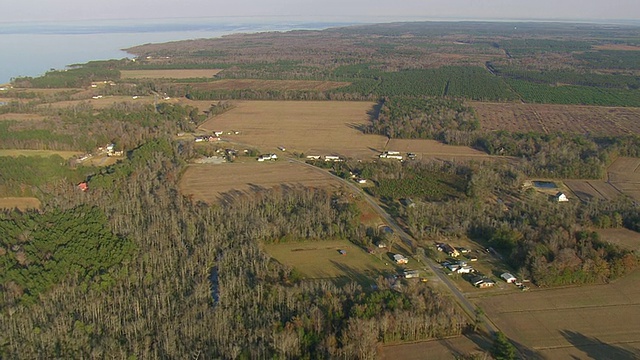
[[358, 10]]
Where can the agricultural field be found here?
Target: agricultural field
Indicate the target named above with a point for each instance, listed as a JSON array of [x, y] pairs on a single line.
[[281, 85], [624, 175], [21, 203], [445, 349], [624, 238], [310, 127], [169, 74], [545, 118], [41, 153], [586, 190], [208, 182], [577, 322], [320, 259]]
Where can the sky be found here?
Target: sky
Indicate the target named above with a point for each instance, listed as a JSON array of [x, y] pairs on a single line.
[[321, 10]]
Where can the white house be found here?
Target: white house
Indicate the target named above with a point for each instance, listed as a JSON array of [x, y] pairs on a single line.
[[561, 197], [508, 278]]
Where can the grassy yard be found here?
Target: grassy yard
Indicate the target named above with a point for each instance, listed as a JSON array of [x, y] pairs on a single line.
[[321, 259]]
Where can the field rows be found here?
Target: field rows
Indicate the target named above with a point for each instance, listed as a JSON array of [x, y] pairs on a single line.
[[589, 321], [558, 118]]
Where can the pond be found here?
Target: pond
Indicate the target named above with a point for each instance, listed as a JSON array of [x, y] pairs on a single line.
[[545, 184]]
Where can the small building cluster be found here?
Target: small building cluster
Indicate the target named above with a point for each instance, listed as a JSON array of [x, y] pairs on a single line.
[[207, 138], [265, 157], [390, 155], [109, 150]]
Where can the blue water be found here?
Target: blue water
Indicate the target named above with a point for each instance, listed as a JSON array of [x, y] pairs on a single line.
[[31, 49], [545, 184]]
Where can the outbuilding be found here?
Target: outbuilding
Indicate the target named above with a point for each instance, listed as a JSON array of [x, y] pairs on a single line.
[[400, 259], [508, 278]]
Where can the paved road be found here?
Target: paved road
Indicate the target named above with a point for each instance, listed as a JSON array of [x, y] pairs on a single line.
[[462, 301]]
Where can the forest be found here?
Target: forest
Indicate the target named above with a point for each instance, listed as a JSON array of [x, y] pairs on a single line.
[[198, 267]]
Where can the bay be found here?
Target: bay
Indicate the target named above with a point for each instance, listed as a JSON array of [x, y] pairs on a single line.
[[31, 49]]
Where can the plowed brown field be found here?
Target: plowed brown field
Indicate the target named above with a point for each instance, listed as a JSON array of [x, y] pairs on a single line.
[[596, 321], [546, 118]]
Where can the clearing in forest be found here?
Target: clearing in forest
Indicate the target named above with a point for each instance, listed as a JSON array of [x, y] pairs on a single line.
[[169, 74], [280, 85], [211, 183], [321, 259], [546, 118], [578, 322], [41, 153], [21, 203], [308, 127]]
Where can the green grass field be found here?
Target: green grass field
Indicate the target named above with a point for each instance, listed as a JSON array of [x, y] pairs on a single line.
[[320, 259]]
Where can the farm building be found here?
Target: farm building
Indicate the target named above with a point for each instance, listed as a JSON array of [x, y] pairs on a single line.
[[465, 269], [448, 249], [313, 157], [508, 278], [83, 186], [400, 259], [560, 197], [482, 282], [410, 274], [332, 158]]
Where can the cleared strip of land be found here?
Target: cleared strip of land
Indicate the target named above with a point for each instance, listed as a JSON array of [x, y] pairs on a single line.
[[281, 85], [41, 153], [169, 74], [21, 203]]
